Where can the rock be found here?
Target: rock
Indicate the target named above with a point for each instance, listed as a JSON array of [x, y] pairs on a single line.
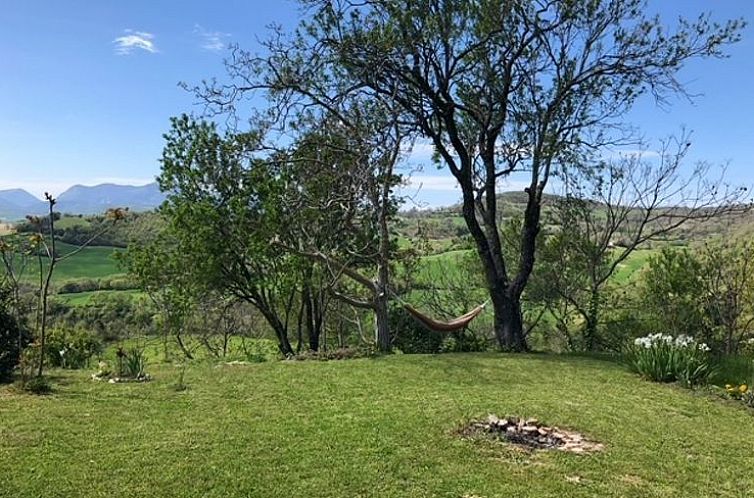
[[529, 428], [492, 419], [532, 421], [112, 381]]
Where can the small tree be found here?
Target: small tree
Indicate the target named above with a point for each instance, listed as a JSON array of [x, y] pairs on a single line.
[[707, 293], [224, 208], [45, 244], [616, 207]]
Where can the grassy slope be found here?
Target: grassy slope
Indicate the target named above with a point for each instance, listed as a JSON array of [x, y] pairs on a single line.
[[91, 262], [85, 298], [380, 427]]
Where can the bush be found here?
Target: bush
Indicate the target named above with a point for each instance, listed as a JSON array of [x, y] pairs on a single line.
[[464, 341], [71, 348], [662, 358], [37, 385], [10, 334], [336, 354], [410, 337], [132, 363]]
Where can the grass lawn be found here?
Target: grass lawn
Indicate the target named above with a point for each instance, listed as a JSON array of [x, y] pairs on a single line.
[[375, 427]]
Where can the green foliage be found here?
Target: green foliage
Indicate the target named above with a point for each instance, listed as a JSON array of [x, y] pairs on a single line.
[[37, 385], [134, 364], [708, 293], [13, 337], [348, 353], [110, 316], [71, 348], [662, 358], [672, 292], [410, 337]]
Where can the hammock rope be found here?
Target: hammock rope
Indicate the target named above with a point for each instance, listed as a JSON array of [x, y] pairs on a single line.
[[453, 325]]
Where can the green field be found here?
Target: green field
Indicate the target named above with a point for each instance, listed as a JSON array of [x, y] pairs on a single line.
[[630, 268], [383, 427], [92, 262], [85, 298]]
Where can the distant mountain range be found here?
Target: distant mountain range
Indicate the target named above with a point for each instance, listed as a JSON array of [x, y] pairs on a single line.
[[15, 204]]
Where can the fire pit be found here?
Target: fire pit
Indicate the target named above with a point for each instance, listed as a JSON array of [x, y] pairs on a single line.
[[530, 433]]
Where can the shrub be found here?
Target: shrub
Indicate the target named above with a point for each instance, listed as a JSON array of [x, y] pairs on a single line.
[[37, 385], [410, 337], [71, 348], [662, 358], [349, 353], [464, 341], [10, 349], [134, 364]]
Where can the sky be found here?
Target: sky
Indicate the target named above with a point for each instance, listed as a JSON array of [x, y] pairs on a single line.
[[87, 88]]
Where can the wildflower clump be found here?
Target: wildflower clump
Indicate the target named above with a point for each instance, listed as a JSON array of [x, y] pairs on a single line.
[[664, 358]]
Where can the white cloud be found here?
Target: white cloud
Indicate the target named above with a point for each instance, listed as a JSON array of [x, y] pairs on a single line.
[[441, 183], [134, 40], [448, 183], [213, 41]]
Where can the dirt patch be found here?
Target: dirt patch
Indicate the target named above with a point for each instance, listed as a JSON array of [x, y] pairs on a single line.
[[531, 433]]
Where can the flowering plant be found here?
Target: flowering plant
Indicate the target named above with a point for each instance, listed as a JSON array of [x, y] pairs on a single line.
[[664, 358]]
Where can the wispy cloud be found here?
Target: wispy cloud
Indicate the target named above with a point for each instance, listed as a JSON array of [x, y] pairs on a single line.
[[213, 41], [134, 40]]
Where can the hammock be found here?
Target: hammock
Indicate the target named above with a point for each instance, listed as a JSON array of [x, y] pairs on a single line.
[[459, 323]]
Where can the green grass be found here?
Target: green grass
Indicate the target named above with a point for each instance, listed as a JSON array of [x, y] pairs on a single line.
[[85, 298], [631, 268], [382, 427], [72, 221], [92, 262]]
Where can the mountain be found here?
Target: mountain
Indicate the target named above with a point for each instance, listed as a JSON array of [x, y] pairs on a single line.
[[80, 199], [15, 204]]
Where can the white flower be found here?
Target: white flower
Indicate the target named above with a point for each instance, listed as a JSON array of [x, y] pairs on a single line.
[[703, 347], [684, 340]]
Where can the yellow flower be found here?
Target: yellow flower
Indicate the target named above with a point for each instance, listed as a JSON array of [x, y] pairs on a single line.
[[743, 388]]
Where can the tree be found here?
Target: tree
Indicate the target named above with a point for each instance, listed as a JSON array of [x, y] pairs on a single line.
[[46, 247], [619, 205], [224, 210], [708, 293], [499, 87], [728, 277], [159, 268], [341, 204]]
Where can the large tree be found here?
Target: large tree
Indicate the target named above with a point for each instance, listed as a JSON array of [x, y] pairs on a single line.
[[499, 87]]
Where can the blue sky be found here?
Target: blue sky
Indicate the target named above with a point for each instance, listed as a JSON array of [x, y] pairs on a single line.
[[87, 87]]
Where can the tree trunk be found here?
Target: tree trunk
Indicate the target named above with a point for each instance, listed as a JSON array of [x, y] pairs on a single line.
[[46, 288], [592, 319], [509, 326], [382, 326]]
